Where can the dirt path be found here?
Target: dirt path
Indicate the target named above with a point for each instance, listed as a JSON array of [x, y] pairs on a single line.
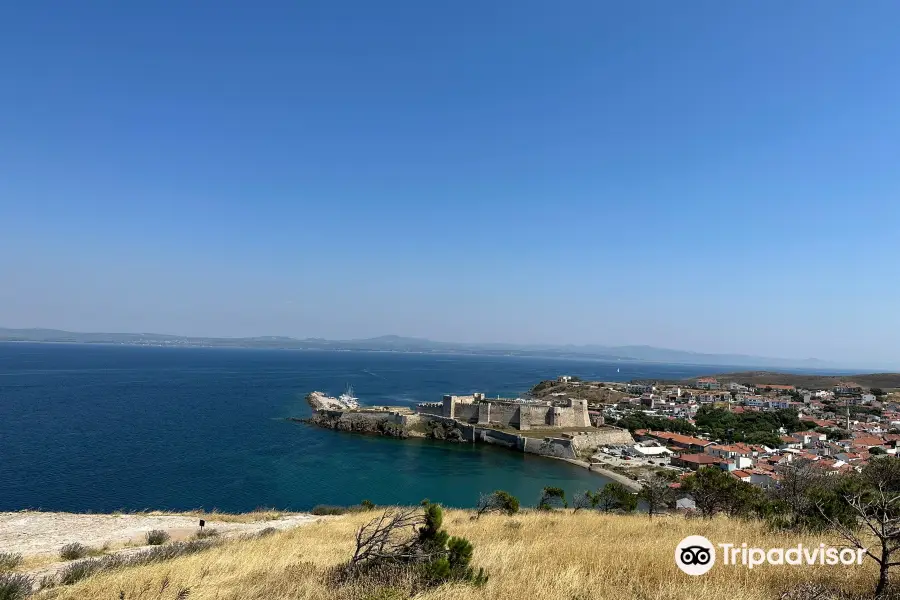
[[44, 533], [631, 484]]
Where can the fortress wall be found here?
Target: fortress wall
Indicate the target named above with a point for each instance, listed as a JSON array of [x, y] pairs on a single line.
[[484, 413], [534, 416], [411, 420], [602, 437], [499, 438], [466, 412], [557, 447], [431, 408], [505, 414]]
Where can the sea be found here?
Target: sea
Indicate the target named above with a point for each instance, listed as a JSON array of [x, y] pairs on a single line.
[[104, 428]]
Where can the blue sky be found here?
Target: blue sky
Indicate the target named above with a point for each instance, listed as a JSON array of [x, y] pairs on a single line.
[[714, 176]]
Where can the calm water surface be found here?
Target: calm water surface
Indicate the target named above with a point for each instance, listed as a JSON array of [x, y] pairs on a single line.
[[103, 428]]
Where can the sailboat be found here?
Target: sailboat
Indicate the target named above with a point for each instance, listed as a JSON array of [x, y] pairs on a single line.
[[348, 398]]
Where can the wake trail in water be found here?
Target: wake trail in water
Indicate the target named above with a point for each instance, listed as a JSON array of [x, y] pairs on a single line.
[[375, 375]]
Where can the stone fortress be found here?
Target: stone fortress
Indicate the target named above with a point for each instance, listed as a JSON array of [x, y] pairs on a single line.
[[518, 414], [562, 428]]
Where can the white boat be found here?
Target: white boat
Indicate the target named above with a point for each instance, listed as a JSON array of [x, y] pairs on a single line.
[[348, 398]]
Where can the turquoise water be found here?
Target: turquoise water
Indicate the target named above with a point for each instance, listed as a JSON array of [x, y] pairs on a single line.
[[103, 428]]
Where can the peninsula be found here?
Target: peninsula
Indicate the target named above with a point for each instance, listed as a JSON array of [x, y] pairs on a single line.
[[562, 428]]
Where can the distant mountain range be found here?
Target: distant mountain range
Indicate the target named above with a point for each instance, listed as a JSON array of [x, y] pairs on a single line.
[[393, 343]]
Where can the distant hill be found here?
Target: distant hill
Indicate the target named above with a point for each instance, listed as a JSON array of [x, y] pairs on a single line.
[[884, 381], [393, 343]]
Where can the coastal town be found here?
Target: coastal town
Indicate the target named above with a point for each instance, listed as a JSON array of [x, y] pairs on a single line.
[[752, 431], [630, 431]]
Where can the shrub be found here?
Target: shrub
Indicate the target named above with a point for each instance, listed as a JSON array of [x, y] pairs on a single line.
[[209, 532], [9, 561], [79, 570], [367, 505], [498, 501], [552, 497], [157, 537], [584, 500], [73, 551], [82, 569], [327, 509], [14, 586], [615, 497], [404, 549]]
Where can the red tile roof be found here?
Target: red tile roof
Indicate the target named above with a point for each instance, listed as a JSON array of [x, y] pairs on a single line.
[[867, 441], [700, 459], [676, 438]]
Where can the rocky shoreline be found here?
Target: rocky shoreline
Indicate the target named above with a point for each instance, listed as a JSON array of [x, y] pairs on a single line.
[[362, 423]]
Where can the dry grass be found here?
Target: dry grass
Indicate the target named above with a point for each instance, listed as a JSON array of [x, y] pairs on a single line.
[[260, 514], [587, 556]]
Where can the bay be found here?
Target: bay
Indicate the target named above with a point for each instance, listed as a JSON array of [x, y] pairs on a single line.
[[100, 428]]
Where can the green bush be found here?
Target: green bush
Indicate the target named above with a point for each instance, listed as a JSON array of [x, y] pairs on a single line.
[[452, 555], [9, 561], [157, 537], [615, 497], [497, 501], [73, 551], [367, 505], [14, 586], [408, 551], [327, 509], [552, 497]]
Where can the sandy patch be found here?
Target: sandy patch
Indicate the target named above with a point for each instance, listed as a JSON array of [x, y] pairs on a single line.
[[44, 533]]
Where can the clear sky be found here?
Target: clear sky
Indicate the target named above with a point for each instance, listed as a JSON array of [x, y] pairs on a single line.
[[704, 175]]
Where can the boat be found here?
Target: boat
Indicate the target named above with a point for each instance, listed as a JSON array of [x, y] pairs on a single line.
[[348, 398]]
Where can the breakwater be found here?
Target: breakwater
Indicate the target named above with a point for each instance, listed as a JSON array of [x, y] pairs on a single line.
[[403, 424]]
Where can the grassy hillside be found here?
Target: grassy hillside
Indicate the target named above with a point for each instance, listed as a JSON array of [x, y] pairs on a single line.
[[871, 380], [599, 395], [560, 555]]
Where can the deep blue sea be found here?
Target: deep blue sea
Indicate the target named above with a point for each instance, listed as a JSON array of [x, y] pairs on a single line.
[[95, 428]]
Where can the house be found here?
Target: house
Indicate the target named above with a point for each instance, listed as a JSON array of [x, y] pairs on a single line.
[[809, 437], [707, 383], [730, 451], [684, 442], [847, 388], [649, 400], [821, 422], [788, 441], [743, 475], [648, 451], [764, 479], [779, 403], [696, 461], [866, 442], [738, 463], [640, 388], [867, 398]]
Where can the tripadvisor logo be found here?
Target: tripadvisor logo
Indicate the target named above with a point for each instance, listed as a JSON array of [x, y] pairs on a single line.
[[696, 555]]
